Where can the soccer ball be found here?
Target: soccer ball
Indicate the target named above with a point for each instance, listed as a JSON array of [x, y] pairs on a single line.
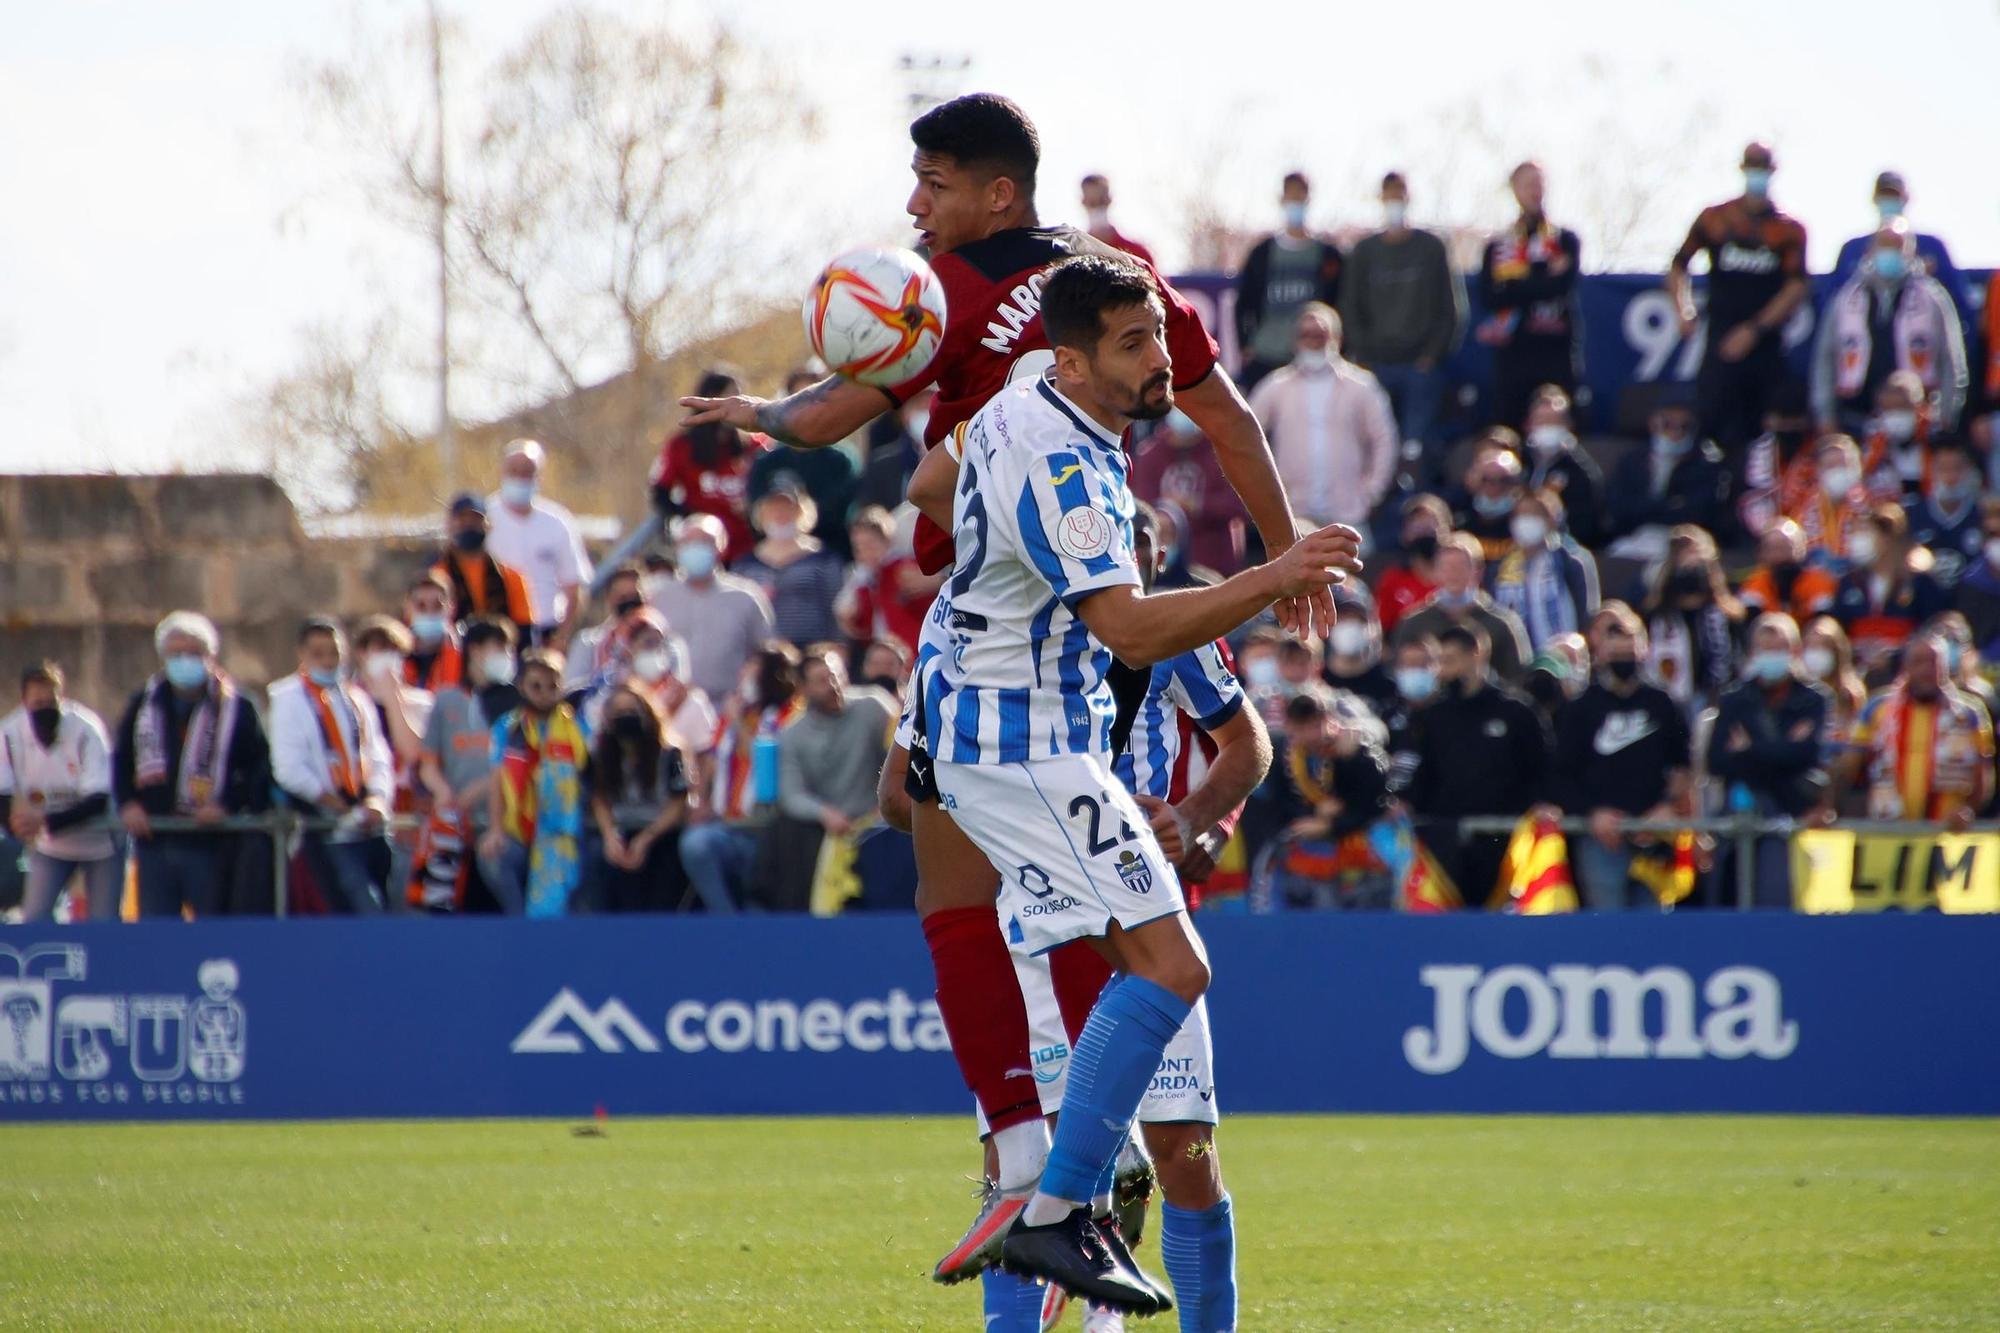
[[875, 316]]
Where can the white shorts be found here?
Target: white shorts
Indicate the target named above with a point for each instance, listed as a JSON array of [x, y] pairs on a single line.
[[1073, 850]]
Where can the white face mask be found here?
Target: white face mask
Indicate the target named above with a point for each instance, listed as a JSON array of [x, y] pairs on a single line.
[[1394, 212], [1861, 548], [1350, 638], [1899, 425], [1549, 439], [782, 532], [1993, 552], [1529, 529], [650, 665], [1837, 482], [382, 665], [498, 668], [1313, 358], [1098, 218], [1818, 661]]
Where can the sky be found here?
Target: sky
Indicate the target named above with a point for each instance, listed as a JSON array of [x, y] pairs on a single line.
[[169, 231]]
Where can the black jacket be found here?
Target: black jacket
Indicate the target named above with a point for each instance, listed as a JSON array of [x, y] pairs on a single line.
[[1697, 492], [1781, 769], [1255, 274], [1575, 476], [1481, 754], [246, 780], [1616, 752]]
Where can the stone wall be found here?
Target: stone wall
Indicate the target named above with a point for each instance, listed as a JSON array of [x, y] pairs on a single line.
[[89, 565]]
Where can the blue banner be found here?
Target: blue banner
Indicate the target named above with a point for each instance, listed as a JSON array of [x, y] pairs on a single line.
[[1325, 1012]]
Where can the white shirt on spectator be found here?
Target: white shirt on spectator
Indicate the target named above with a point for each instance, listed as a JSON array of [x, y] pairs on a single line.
[[1333, 434], [546, 547], [300, 760], [51, 780]]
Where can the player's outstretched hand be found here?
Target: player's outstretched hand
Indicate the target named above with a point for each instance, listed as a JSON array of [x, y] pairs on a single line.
[[739, 411], [1315, 562]]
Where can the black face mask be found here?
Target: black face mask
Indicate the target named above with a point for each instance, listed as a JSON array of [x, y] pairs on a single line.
[[470, 540], [1789, 441], [498, 700], [1545, 689], [1622, 670], [1784, 574], [1422, 547], [627, 607], [1688, 582], [45, 722], [887, 684], [628, 727]]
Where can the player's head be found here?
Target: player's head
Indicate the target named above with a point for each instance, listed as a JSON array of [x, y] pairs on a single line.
[[975, 165], [1103, 318]]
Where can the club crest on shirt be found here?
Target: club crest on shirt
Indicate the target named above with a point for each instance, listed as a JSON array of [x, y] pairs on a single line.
[[1083, 534], [1136, 874]]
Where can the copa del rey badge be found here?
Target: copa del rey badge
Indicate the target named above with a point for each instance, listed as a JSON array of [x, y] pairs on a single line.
[[1083, 534]]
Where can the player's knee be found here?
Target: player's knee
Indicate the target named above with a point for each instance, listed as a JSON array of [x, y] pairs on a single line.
[[1184, 1156], [1185, 974]]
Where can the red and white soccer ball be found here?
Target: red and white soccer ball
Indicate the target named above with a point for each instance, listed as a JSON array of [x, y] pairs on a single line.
[[875, 316]]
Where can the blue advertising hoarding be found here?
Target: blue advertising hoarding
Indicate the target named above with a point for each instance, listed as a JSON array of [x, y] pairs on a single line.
[[1693, 1012]]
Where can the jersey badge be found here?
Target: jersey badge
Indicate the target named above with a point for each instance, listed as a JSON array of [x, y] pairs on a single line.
[[1083, 534], [1133, 870]]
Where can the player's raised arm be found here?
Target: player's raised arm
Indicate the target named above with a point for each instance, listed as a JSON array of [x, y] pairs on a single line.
[[936, 477], [817, 415]]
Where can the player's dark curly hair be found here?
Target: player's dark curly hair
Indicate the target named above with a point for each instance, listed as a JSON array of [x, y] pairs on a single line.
[[984, 131], [1078, 291]]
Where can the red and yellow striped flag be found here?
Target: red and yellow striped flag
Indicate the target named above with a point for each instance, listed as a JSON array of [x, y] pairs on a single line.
[[1666, 868], [1534, 876]]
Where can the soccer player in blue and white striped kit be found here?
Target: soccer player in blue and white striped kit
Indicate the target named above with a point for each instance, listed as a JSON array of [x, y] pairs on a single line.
[[1015, 719]]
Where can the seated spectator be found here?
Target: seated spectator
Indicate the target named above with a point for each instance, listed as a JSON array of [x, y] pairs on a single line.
[[1826, 658], [480, 584], [1781, 466], [722, 617], [1527, 286], [1892, 199], [1493, 486], [1459, 601], [1782, 581], [1426, 520], [1769, 744], [532, 853], [1677, 479], [1479, 749], [1340, 780], [1281, 273], [190, 745], [589, 659], [1978, 591], [887, 594], [1922, 749], [539, 537], [435, 659], [1547, 580], [55, 790], [1691, 621], [828, 476], [828, 764], [1622, 752], [1895, 443], [1556, 462], [382, 646], [718, 853], [1945, 519], [1837, 506], [1885, 595], [1354, 665], [652, 662], [1177, 465], [885, 664], [706, 470], [1889, 316], [1330, 426], [457, 770], [639, 795], [328, 755], [799, 575]]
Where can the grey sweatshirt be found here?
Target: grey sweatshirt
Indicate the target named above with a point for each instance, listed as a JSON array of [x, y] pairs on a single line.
[[1400, 301], [835, 759]]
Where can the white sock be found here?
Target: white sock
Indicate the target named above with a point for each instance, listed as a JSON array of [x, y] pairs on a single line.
[[1046, 1208], [1023, 1150]]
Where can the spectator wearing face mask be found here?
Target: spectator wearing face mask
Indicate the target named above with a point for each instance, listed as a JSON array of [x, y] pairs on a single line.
[[1781, 467], [1922, 750], [1961, 656], [827, 475], [1782, 581], [1691, 621], [1263, 682], [456, 769], [1826, 658], [435, 659], [55, 789], [1416, 679], [1889, 316], [718, 851], [1096, 192], [1492, 489], [589, 660], [1354, 662], [1896, 444], [1769, 741], [1679, 478], [1622, 752], [885, 665], [1945, 520], [1547, 580], [797, 573], [1891, 201], [723, 617], [886, 593], [1404, 307], [1329, 424], [1836, 507], [1176, 466], [382, 647], [1282, 272], [1756, 279], [1884, 596], [1460, 601], [481, 584], [1557, 463], [706, 469], [539, 537], [653, 662], [638, 800], [1527, 285], [1403, 587], [1978, 592], [328, 754]]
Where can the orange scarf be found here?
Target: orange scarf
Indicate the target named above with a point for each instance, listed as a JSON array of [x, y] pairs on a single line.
[[349, 771]]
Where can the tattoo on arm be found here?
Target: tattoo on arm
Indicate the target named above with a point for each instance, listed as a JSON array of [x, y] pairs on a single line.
[[776, 418]]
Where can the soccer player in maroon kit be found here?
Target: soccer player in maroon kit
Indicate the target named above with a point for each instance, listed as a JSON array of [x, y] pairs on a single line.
[[973, 206]]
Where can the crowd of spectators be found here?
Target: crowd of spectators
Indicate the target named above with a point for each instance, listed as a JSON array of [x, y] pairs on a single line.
[[1783, 599]]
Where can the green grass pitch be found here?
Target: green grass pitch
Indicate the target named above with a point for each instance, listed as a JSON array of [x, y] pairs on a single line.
[[1346, 1223]]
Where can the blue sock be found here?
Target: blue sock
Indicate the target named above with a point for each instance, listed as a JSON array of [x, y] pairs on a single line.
[[1013, 1304], [1109, 1069], [1199, 1251]]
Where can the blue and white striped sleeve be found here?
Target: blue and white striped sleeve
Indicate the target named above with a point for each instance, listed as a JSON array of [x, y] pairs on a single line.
[[1205, 688], [1069, 531]]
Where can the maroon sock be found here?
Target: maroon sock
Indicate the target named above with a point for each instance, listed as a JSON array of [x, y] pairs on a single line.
[[1079, 974], [979, 998]]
